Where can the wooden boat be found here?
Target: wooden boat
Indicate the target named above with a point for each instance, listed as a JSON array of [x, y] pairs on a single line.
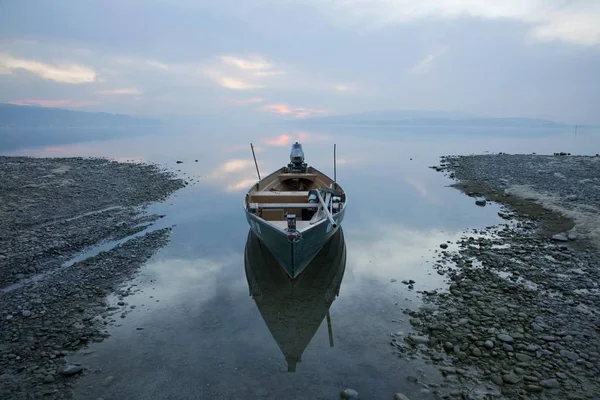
[[294, 211], [293, 310]]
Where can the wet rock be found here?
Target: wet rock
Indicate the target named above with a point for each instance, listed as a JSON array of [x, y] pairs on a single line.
[[505, 338], [401, 396], [411, 378], [179, 162], [523, 357], [550, 383], [533, 388], [569, 355], [418, 339], [480, 202], [511, 378], [497, 379], [560, 237], [443, 246], [349, 394], [69, 370]]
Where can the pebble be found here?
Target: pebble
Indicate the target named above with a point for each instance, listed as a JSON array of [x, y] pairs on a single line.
[[489, 344], [497, 379], [69, 370], [48, 379], [26, 313], [476, 352], [401, 396], [550, 383], [511, 378], [444, 246], [560, 237], [522, 357], [505, 338], [533, 388]]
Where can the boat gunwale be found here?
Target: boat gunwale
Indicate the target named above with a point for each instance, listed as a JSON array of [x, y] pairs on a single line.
[[281, 230]]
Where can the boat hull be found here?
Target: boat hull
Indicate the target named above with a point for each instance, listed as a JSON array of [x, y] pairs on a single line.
[[295, 256]]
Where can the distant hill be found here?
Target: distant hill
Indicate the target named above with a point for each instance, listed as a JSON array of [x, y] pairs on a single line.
[[31, 116], [429, 118]]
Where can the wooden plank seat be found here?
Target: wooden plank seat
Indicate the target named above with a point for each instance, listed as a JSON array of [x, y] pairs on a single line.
[[285, 177], [261, 206], [278, 197]]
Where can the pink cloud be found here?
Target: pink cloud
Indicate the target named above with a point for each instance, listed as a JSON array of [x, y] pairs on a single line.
[[52, 102], [285, 109], [281, 140]]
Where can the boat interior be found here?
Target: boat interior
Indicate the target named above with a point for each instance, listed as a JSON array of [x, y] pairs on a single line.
[[299, 195]]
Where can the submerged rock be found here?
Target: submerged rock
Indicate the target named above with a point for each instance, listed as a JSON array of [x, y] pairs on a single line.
[[71, 370], [560, 237], [349, 394]]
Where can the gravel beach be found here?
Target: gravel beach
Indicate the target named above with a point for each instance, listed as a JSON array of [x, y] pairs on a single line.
[[520, 318], [51, 210]]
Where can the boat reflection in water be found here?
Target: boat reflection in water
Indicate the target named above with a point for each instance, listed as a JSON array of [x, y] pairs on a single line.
[[293, 310]]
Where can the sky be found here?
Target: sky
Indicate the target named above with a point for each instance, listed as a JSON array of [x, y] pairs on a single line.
[[290, 59]]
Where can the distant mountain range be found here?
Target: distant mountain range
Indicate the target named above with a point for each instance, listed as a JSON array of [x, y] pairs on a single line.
[[429, 118], [32, 116]]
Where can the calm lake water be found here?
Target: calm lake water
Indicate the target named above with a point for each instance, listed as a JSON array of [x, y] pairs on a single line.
[[205, 337]]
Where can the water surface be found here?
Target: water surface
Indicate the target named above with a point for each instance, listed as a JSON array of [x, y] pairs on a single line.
[[202, 333]]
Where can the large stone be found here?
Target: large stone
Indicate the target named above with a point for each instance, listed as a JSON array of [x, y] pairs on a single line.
[[560, 237], [533, 388], [349, 394], [550, 383], [522, 357], [497, 379], [505, 338], [71, 370], [569, 354], [418, 339], [511, 378]]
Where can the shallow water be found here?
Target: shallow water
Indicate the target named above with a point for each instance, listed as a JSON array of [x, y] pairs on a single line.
[[203, 335]]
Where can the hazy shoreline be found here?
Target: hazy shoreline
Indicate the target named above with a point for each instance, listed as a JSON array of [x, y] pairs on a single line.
[[521, 314], [53, 302]]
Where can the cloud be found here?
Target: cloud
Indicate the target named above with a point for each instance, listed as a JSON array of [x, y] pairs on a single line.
[[341, 88], [236, 84], [570, 21], [281, 140], [426, 63], [285, 109], [52, 103], [232, 166], [64, 73], [243, 184], [120, 92], [240, 73], [253, 62]]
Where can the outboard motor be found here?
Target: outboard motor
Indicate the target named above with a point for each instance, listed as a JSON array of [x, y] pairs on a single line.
[[297, 163]]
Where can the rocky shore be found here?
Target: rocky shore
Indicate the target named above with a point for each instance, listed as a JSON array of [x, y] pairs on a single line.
[[521, 316], [51, 210]]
